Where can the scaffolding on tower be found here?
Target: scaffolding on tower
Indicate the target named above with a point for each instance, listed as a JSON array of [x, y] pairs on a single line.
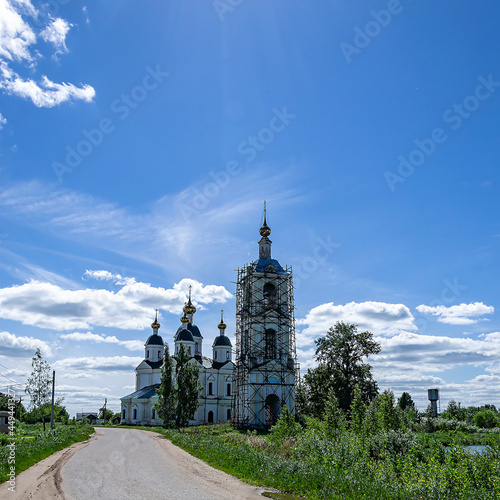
[[266, 359]]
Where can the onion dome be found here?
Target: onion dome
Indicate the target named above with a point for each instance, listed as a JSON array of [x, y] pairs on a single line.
[[265, 230], [184, 319], [184, 335], [154, 339], [188, 306], [222, 326], [155, 325], [221, 341]]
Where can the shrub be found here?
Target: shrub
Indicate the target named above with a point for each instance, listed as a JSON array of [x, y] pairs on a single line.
[[486, 419]]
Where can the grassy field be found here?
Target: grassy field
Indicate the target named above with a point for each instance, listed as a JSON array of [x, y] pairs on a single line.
[[389, 465], [32, 444]]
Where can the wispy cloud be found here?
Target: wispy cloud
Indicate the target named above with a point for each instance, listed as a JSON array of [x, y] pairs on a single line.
[[131, 345], [17, 41], [55, 33], [461, 314]]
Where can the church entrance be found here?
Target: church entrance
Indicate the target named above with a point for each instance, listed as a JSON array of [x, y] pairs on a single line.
[[273, 409], [210, 417]]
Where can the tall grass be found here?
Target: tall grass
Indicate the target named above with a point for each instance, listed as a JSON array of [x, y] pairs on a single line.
[[388, 465], [31, 449]]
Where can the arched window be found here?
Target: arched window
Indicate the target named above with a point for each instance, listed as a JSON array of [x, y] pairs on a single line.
[[135, 413], [153, 415], [215, 354], [123, 413], [189, 350], [159, 354], [269, 293], [228, 390], [210, 388], [210, 417], [270, 343], [147, 353], [229, 414], [227, 355]]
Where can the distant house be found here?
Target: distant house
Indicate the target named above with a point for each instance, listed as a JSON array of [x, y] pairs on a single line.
[[91, 416], [4, 422]]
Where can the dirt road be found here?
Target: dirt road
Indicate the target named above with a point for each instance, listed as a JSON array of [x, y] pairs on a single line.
[[125, 464]]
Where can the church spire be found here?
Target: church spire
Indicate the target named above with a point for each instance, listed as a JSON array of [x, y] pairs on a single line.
[[155, 325], [189, 308], [265, 242], [222, 326]]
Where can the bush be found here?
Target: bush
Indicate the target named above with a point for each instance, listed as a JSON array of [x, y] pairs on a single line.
[[487, 419]]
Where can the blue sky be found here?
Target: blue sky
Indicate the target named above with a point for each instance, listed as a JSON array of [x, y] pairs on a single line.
[[139, 139]]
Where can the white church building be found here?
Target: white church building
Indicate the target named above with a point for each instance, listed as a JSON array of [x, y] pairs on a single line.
[[216, 374], [252, 391]]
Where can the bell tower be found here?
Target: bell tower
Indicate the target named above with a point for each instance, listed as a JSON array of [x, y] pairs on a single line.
[[266, 362]]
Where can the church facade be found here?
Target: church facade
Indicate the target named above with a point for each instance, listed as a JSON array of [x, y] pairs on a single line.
[[251, 391]]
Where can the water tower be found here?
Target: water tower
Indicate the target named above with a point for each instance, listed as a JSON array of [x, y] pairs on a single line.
[[433, 395]]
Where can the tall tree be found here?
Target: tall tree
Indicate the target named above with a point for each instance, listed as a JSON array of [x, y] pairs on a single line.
[[341, 355], [39, 384], [166, 404], [358, 411], [188, 388]]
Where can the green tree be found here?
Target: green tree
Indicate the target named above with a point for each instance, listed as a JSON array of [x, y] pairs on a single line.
[[405, 401], [188, 388], [317, 382], [358, 411], [166, 404], [38, 386], [334, 417], [286, 427], [341, 355], [106, 414], [455, 411], [389, 412], [487, 419]]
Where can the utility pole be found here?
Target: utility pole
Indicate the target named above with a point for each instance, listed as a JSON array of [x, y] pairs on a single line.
[[105, 403], [52, 406]]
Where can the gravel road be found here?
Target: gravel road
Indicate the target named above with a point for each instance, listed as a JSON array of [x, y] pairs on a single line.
[[130, 464]]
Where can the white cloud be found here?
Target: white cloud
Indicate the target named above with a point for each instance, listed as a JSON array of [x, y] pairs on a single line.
[[462, 314], [14, 346], [131, 345], [131, 307], [55, 33], [46, 93], [378, 317], [17, 39], [3, 121], [106, 364]]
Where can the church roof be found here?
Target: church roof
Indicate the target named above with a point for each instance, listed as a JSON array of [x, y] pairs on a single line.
[[222, 340], [154, 339], [184, 334], [154, 364], [195, 331], [264, 265], [144, 393]]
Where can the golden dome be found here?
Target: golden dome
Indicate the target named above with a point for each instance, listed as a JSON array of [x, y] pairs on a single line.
[[265, 230], [155, 325], [185, 319], [188, 306], [222, 325]]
